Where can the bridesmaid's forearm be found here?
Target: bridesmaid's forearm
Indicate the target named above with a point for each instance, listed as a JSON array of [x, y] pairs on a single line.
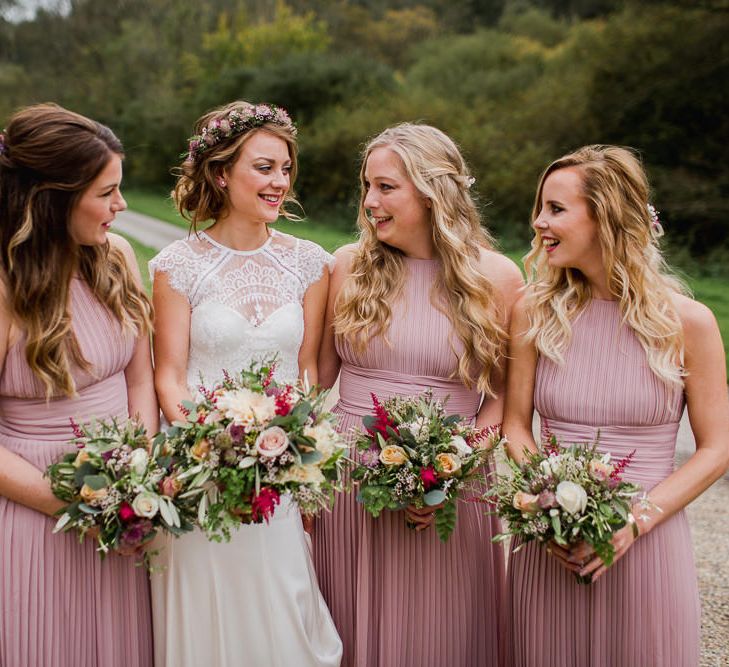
[[680, 488], [23, 483], [519, 438]]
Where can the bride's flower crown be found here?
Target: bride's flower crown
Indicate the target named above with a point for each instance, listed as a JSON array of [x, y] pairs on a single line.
[[237, 121]]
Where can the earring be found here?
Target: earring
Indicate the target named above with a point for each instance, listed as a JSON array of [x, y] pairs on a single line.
[[221, 182]]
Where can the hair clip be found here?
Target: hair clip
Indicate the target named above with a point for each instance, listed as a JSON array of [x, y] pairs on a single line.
[[655, 222]]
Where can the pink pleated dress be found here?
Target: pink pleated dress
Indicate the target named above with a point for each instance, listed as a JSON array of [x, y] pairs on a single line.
[[401, 598], [60, 605], [644, 611]]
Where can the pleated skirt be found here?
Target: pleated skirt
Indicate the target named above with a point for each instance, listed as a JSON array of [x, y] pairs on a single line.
[[643, 612], [405, 599], [60, 604]]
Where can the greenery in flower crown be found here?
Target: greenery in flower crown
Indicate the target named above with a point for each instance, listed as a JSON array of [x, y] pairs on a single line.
[[237, 121]]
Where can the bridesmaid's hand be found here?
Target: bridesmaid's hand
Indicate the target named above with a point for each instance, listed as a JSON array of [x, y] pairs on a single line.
[[421, 518], [571, 559], [308, 521], [622, 540]]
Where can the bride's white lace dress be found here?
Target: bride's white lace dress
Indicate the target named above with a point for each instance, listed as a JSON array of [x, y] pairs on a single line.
[[254, 601]]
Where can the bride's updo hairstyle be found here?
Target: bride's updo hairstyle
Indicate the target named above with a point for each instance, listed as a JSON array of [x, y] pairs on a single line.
[[216, 145], [616, 190], [432, 161], [49, 156]]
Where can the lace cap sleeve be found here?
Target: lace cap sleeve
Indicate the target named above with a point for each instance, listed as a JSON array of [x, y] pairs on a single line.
[[313, 260], [181, 264]]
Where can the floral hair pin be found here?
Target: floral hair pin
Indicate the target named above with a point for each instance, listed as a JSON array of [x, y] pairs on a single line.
[[236, 122], [655, 222]]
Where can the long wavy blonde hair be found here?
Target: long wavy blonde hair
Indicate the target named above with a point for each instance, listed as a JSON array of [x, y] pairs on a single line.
[[616, 190], [433, 163], [51, 156]]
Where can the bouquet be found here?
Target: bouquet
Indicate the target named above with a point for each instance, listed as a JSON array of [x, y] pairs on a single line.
[[412, 453], [248, 441], [568, 495], [118, 485]]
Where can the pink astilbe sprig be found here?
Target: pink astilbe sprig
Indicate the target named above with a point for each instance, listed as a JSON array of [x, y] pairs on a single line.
[[551, 445], [77, 430], [616, 474], [183, 409], [284, 401], [269, 376], [209, 394], [382, 419], [491, 435]]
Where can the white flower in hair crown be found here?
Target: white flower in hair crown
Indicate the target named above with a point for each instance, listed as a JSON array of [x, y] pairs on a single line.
[[237, 121]]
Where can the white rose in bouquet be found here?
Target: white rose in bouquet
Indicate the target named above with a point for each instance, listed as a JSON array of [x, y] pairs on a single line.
[[145, 505], [138, 461], [571, 497]]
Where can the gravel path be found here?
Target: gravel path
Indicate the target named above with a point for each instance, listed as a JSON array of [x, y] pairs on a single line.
[[708, 515], [148, 231]]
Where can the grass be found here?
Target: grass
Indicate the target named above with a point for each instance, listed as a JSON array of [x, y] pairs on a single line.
[[144, 254], [714, 292]]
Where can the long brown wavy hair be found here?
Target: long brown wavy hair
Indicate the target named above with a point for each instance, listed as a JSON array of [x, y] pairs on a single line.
[[616, 190], [432, 161], [197, 194], [50, 157]]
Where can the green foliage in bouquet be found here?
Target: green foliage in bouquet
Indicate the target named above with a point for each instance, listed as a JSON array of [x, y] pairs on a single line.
[[413, 454], [566, 494], [118, 485], [248, 441]]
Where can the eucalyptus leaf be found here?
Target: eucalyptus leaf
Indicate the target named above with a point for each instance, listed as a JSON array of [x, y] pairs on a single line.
[[96, 482], [311, 457], [434, 497], [87, 509]]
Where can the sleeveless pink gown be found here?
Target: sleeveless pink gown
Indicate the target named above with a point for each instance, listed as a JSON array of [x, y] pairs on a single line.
[[644, 611], [60, 605], [401, 598]]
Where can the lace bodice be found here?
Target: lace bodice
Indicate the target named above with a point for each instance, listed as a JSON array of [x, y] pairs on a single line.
[[245, 305]]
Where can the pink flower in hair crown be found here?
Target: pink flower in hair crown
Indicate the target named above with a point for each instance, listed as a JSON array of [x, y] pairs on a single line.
[[237, 121]]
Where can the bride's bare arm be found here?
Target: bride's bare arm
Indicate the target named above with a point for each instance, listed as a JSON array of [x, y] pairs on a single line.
[[171, 347], [315, 301]]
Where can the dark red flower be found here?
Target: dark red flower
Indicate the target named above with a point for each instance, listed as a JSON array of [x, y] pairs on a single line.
[[430, 479], [264, 504], [126, 513]]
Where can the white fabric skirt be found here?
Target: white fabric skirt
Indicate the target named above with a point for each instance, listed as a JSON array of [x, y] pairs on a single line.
[[254, 601]]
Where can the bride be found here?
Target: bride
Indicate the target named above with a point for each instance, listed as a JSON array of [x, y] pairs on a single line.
[[236, 293]]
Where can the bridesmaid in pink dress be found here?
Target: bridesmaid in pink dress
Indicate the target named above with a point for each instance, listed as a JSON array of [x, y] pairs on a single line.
[[421, 301], [74, 343], [604, 342]]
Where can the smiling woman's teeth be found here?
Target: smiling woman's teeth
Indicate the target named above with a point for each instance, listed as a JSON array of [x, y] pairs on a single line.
[[271, 198], [549, 243]]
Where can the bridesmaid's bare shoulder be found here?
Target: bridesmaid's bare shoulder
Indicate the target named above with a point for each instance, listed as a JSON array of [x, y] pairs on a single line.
[[503, 273], [343, 258], [697, 319]]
